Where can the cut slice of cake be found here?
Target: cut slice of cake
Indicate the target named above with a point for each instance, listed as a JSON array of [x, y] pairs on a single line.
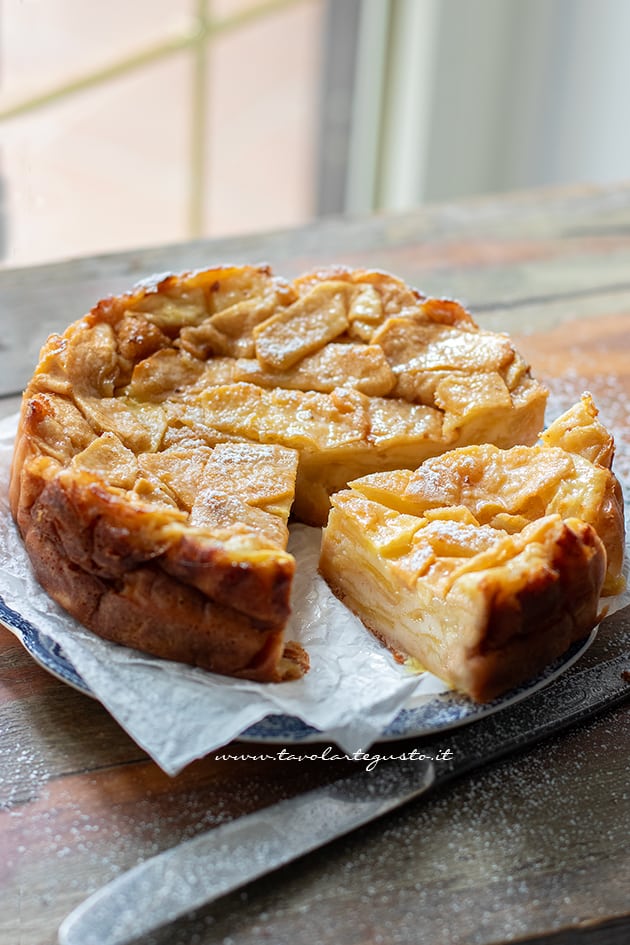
[[483, 565]]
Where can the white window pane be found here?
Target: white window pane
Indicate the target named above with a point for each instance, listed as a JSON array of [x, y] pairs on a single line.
[[45, 43], [263, 86], [222, 9], [104, 170]]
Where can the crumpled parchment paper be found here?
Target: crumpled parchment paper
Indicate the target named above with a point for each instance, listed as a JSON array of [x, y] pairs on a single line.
[[177, 713]]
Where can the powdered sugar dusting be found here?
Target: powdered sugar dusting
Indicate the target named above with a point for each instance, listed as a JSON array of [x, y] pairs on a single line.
[[178, 713]]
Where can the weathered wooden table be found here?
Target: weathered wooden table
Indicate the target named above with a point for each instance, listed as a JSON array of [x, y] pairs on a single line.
[[533, 849]]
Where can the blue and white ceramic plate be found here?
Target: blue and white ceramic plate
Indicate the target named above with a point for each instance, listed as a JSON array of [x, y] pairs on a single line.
[[43, 650], [435, 713]]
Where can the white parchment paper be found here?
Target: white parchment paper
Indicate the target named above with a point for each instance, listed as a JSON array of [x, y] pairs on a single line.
[[177, 713]]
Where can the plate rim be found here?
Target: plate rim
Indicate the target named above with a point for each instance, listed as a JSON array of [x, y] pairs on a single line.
[[484, 710], [52, 658], [59, 665]]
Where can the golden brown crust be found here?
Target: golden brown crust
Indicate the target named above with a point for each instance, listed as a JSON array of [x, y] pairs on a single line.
[[153, 612], [136, 477], [165, 594], [579, 432], [537, 620]]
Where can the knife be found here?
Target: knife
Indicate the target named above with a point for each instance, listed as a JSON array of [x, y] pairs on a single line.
[[198, 871]]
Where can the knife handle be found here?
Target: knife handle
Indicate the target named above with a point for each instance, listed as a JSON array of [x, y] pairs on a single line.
[[573, 698]]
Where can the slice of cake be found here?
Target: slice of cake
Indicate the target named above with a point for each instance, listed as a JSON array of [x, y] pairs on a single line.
[[483, 565]]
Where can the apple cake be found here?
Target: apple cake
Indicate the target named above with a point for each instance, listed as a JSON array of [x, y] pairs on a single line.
[[483, 565], [166, 436]]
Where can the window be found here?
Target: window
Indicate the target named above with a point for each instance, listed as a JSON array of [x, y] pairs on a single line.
[[135, 123]]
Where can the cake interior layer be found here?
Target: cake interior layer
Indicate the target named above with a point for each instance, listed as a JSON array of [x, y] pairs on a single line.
[[483, 617]]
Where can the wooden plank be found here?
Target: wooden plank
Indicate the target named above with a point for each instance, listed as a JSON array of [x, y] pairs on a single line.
[[488, 847], [480, 862], [470, 251]]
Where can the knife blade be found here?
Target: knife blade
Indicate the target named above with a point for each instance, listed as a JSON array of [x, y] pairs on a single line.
[[198, 871]]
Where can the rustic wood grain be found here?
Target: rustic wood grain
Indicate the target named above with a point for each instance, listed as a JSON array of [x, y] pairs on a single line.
[[533, 849], [568, 247]]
